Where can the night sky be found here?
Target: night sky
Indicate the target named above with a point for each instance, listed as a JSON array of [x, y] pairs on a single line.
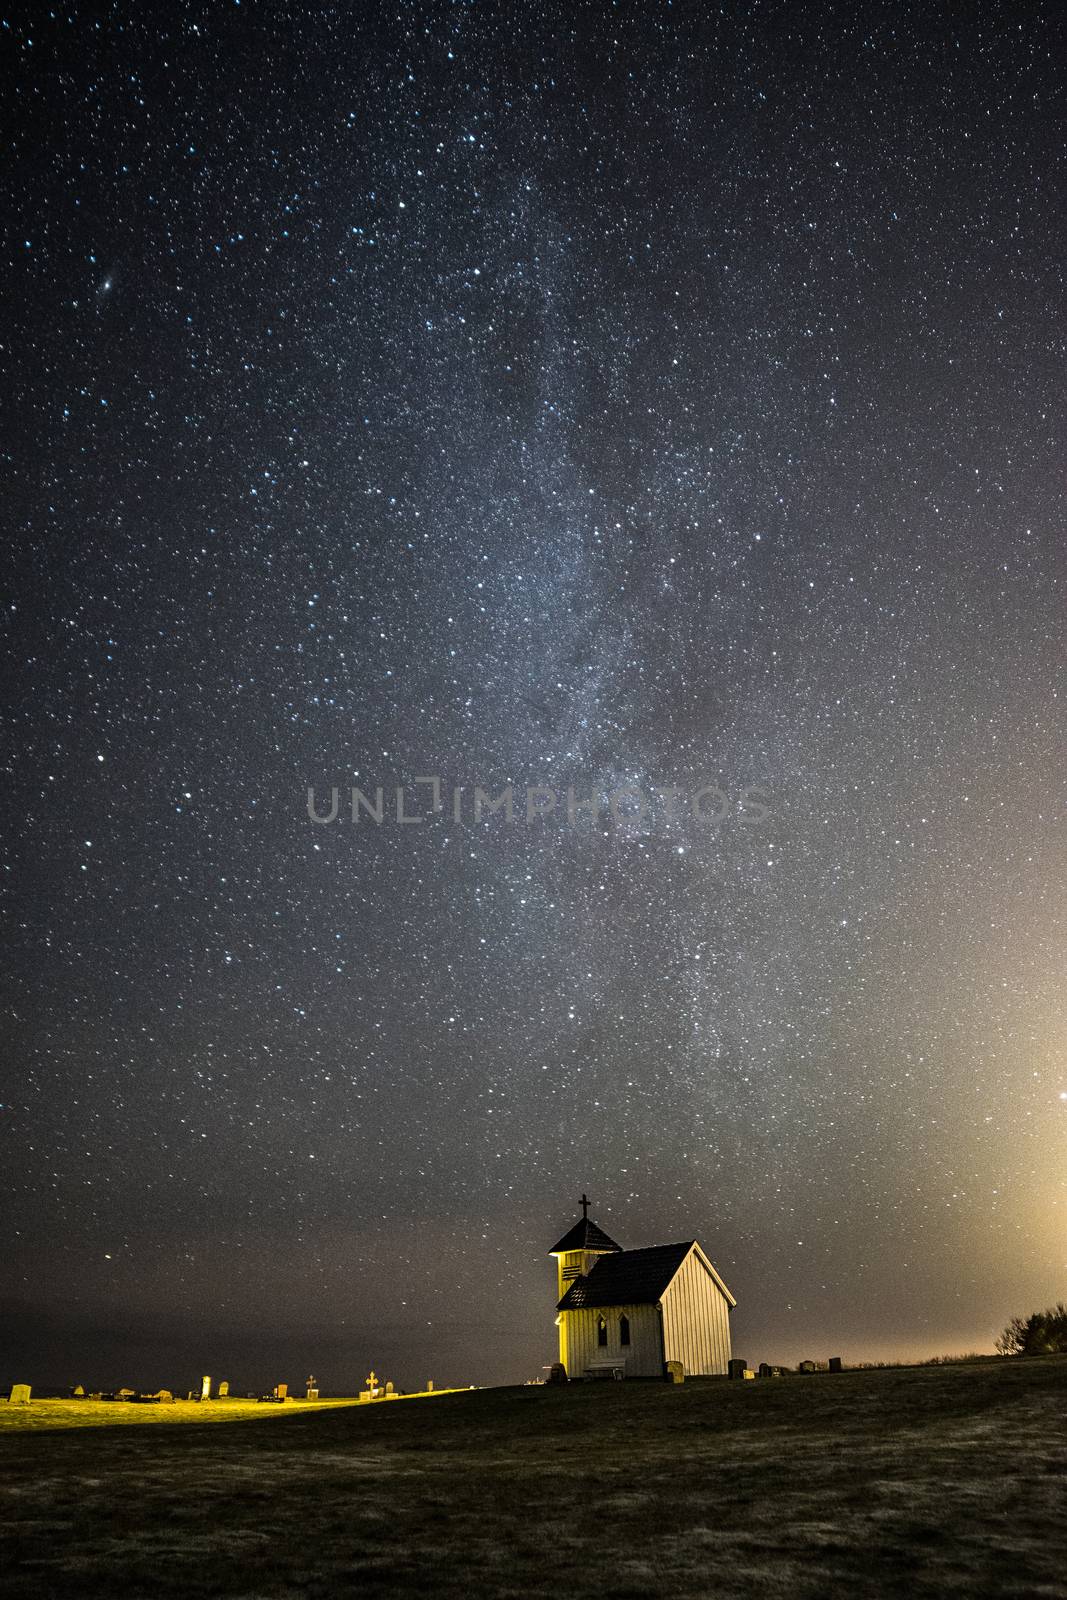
[[617, 397]]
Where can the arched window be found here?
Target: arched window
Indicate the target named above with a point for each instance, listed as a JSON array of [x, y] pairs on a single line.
[[601, 1332], [624, 1330]]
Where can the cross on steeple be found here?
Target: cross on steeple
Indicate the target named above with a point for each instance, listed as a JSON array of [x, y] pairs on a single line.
[[585, 1208]]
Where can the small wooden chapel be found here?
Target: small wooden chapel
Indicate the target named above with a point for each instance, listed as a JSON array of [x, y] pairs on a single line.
[[629, 1312]]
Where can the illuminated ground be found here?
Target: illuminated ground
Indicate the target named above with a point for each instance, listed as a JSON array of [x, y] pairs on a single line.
[[923, 1482], [116, 1413], [52, 1414]]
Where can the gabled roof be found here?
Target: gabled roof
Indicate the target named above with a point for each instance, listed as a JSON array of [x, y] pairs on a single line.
[[631, 1278], [585, 1235]]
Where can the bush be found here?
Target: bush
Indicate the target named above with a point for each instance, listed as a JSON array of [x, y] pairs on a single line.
[[1043, 1333], [955, 1361]]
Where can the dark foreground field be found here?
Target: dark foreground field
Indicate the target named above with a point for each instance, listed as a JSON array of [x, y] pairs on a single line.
[[936, 1481]]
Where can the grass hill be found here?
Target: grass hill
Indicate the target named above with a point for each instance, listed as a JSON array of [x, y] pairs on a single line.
[[935, 1481]]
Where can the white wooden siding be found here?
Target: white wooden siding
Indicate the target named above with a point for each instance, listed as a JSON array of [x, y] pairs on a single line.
[[696, 1319], [578, 1347]]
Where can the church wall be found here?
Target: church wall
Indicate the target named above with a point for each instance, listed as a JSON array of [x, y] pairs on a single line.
[[696, 1320], [643, 1357]]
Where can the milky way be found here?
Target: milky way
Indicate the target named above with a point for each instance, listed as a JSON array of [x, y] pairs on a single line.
[[569, 396]]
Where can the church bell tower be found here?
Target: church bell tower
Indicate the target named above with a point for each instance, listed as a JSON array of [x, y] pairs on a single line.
[[577, 1253]]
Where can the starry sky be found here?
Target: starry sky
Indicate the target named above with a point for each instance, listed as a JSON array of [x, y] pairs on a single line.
[[617, 397]]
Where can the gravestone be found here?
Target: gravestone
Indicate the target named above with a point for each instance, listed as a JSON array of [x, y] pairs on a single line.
[[748, 1373], [389, 1389], [557, 1373], [281, 1391], [736, 1367], [205, 1388], [312, 1387], [765, 1370], [835, 1364], [79, 1391], [20, 1394], [224, 1390], [806, 1366], [674, 1371], [429, 1386], [125, 1394]]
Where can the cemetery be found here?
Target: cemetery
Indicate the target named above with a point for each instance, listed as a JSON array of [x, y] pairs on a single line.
[[23, 1410]]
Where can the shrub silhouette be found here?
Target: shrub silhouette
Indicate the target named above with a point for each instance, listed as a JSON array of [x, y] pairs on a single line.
[[1042, 1333]]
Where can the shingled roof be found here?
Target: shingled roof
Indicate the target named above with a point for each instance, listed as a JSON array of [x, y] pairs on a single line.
[[630, 1278], [585, 1235]]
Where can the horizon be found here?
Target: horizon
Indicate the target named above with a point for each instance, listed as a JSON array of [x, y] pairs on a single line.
[[138, 1359]]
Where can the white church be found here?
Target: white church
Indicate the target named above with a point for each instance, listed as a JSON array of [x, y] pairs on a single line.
[[629, 1312]]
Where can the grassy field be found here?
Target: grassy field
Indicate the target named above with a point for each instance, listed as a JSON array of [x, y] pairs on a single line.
[[51, 1414], [919, 1482]]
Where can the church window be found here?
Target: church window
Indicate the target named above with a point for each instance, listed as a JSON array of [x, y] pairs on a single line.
[[624, 1330], [601, 1332]]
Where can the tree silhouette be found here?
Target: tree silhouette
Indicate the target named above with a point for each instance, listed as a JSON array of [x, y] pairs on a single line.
[[1042, 1333]]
